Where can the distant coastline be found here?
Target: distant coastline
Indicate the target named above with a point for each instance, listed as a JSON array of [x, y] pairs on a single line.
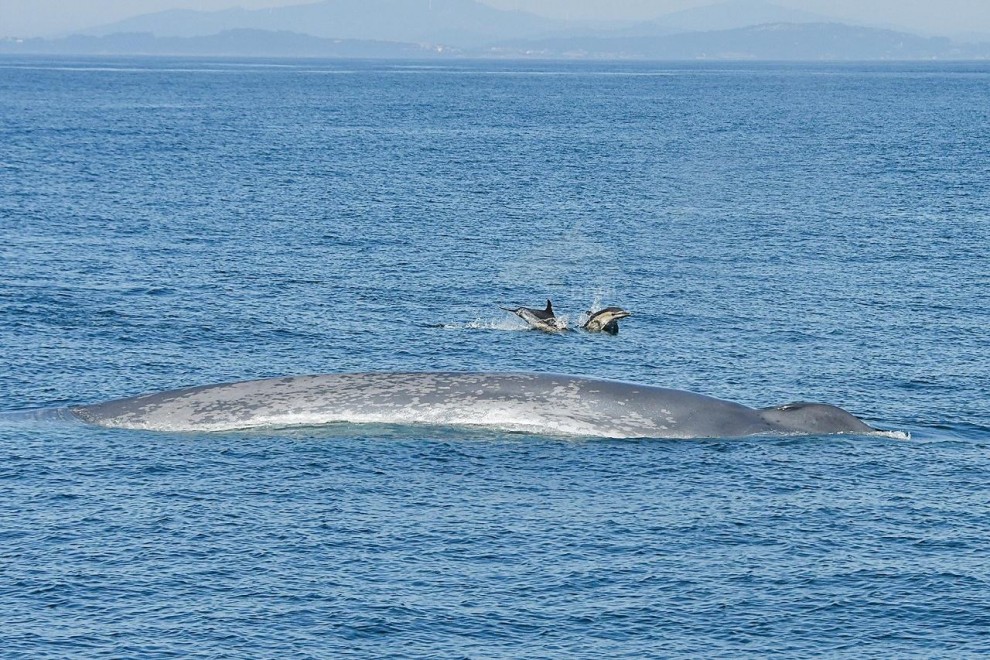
[[771, 42]]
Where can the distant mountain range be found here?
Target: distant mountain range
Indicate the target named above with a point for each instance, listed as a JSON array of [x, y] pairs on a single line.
[[737, 29], [727, 16], [229, 43], [771, 41], [458, 23]]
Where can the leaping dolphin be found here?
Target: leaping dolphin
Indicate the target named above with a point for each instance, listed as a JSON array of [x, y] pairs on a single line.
[[529, 402], [605, 320], [540, 319]]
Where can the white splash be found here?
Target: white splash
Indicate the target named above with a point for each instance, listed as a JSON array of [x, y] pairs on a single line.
[[510, 323], [895, 435]]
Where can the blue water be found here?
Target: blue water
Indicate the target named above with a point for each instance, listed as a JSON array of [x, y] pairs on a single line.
[[780, 232]]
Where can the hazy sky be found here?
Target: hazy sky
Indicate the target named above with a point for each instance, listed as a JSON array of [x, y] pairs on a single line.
[[29, 18]]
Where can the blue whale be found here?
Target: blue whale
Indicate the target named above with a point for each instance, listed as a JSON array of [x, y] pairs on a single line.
[[528, 402]]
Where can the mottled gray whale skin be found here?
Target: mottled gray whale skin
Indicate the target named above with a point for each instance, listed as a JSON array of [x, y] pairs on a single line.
[[529, 402]]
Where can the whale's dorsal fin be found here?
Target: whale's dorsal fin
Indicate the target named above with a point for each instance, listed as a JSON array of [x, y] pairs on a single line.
[[549, 309]]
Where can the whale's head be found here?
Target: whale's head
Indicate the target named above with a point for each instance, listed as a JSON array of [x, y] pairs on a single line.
[[813, 418]]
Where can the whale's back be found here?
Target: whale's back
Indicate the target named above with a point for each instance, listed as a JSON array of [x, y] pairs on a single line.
[[543, 403], [540, 403]]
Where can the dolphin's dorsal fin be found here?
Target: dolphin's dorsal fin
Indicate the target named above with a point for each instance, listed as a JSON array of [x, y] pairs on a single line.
[[549, 309]]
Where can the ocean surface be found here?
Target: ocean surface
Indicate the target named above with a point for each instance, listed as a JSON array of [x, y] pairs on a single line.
[[779, 232]]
